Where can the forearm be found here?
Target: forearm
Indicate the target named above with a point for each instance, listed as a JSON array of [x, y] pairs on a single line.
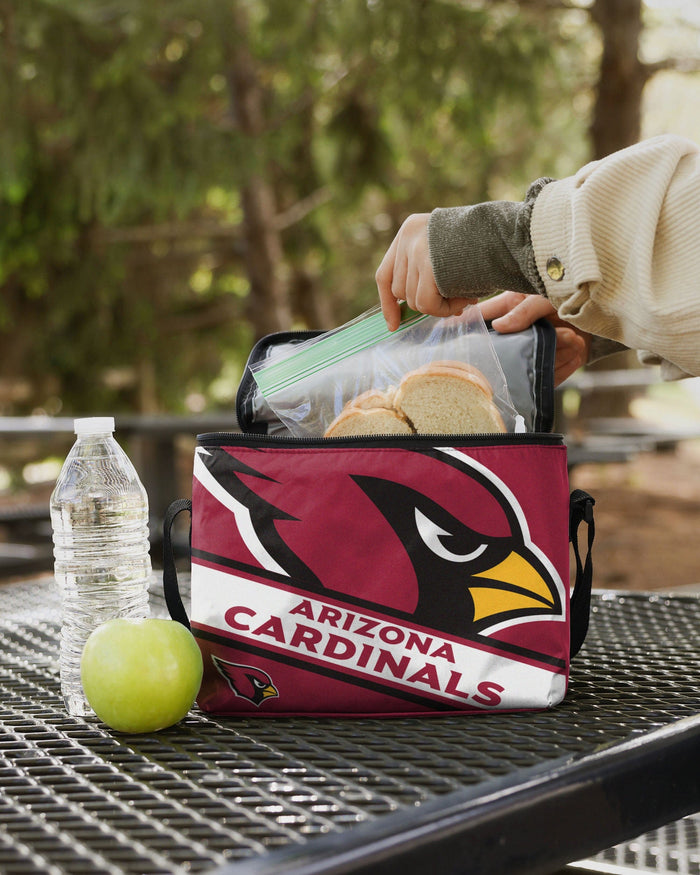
[[615, 248]]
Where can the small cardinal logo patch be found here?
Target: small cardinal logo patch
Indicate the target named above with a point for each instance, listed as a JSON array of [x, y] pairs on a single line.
[[247, 681]]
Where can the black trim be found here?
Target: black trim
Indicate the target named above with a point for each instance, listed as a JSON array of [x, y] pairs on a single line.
[[543, 389], [171, 590], [429, 441], [248, 388], [581, 511]]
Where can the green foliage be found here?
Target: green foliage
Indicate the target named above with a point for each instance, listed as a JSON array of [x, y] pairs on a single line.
[[122, 157]]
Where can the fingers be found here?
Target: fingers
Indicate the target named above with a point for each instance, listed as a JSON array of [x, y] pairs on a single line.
[[449, 306], [572, 353], [406, 274], [499, 305], [385, 278], [513, 311]]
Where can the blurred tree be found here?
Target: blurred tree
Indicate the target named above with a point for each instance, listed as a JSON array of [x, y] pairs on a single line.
[[621, 72], [623, 75], [178, 178], [617, 122], [617, 115]]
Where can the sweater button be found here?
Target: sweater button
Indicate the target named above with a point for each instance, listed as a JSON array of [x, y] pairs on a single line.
[[555, 269]]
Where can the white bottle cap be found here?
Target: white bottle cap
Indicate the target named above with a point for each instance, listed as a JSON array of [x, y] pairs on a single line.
[[94, 425]]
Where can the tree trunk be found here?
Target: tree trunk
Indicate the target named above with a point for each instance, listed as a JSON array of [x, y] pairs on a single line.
[[310, 306], [617, 113], [269, 308]]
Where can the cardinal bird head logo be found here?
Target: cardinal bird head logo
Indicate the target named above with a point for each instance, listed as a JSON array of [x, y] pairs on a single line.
[[431, 535], [247, 681]]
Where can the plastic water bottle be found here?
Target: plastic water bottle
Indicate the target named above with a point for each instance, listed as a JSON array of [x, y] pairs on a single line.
[[99, 515]]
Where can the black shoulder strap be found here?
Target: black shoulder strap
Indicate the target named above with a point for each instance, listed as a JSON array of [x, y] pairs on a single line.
[[171, 590], [581, 511]]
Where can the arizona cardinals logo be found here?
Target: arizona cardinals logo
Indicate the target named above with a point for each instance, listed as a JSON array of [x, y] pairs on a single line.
[[247, 681], [465, 578], [468, 564]]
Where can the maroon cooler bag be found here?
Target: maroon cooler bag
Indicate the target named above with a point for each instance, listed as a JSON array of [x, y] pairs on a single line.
[[383, 576]]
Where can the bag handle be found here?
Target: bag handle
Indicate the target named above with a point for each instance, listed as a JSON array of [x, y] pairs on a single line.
[[581, 511], [171, 590]]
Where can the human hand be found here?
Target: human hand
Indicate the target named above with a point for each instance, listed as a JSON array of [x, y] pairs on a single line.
[[406, 274], [513, 311]]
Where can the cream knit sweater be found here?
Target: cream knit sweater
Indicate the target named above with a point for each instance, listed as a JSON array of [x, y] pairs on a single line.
[[626, 231], [616, 248]]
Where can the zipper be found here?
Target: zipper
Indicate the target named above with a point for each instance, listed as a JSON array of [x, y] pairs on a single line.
[[222, 438]]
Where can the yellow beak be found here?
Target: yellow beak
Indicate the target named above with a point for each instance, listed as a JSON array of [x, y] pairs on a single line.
[[269, 691], [523, 587]]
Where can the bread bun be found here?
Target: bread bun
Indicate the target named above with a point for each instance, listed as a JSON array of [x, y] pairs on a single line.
[[445, 400], [460, 369], [361, 421], [442, 397], [375, 398]]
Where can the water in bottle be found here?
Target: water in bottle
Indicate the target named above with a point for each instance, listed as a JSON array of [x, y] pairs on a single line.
[[99, 515]]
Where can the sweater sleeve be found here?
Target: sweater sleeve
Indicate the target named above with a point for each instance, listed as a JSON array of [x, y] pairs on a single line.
[[485, 248], [617, 247]]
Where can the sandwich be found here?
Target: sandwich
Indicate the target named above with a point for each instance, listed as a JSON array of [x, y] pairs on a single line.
[[443, 397]]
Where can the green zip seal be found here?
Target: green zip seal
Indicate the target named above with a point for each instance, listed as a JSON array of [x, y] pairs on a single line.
[[331, 348]]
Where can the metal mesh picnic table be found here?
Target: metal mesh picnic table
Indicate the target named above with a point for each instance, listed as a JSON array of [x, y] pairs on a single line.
[[618, 757]]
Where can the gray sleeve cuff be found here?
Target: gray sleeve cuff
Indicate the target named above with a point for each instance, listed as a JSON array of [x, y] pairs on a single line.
[[602, 347], [485, 248]]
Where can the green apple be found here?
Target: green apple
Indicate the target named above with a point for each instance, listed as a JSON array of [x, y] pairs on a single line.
[[141, 675]]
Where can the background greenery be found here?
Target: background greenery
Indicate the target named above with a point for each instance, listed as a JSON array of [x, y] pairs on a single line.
[[180, 177]]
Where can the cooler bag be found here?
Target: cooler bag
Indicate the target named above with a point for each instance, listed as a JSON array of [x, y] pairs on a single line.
[[384, 576]]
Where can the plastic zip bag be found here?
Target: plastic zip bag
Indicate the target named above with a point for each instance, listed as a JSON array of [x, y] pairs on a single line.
[[307, 387]]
